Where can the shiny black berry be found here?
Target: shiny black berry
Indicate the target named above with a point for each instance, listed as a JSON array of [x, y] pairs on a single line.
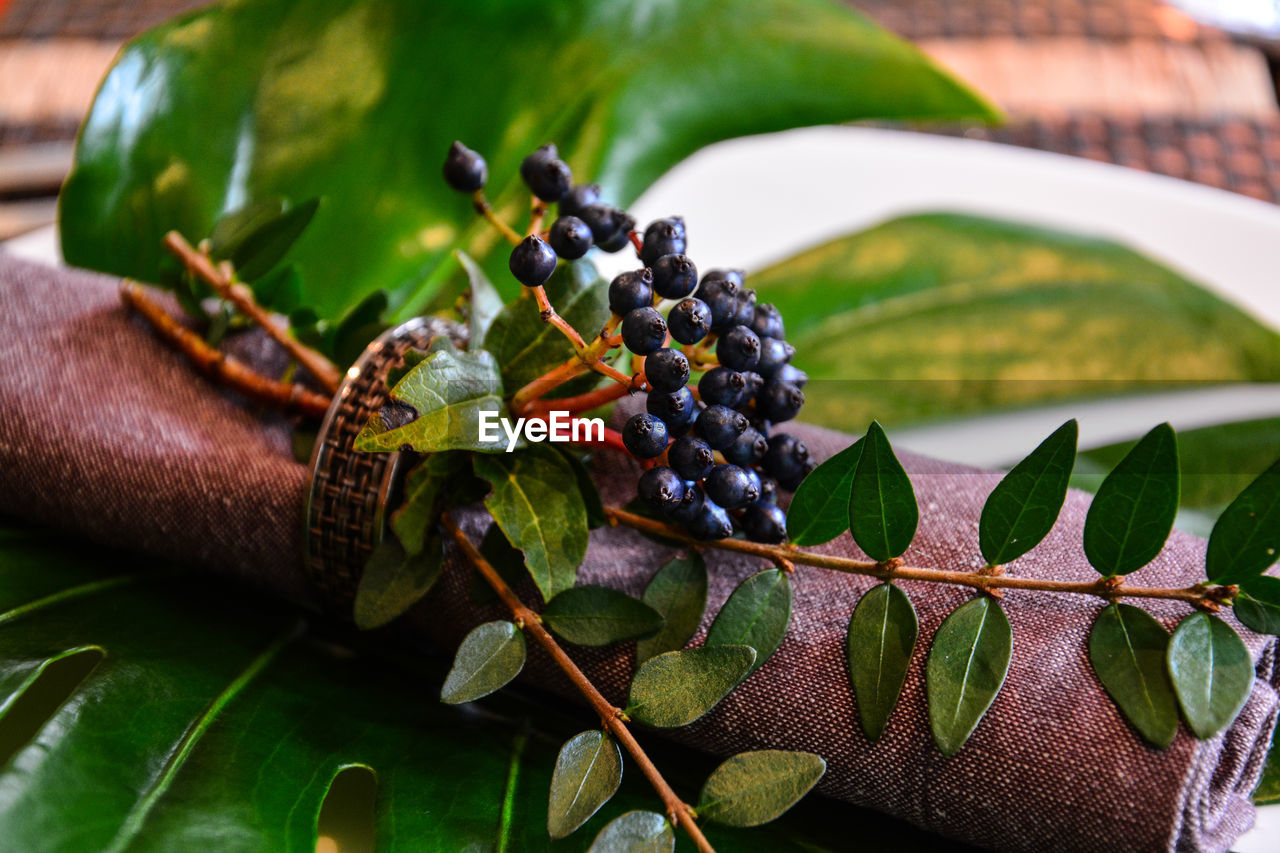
[[667, 369], [644, 330], [720, 426], [464, 169], [773, 355], [710, 522], [645, 435], [621, 239], [754, 383], [605, 222], [663, 237], [791, 373], [738, 348], [631, 290], [765, 522], [532, 262], [766, 321], [661, 488], [570, 237], [676, 408], [546, 174], [747, 449], [779, 401], [744, 308], [786, 458], [578, 197], [691, 457], [674, 276], [689, 320], [721, 386], [731, 486], [690, 503], [714, 280]]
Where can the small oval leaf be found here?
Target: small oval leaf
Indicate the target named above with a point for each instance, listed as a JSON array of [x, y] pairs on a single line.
[[1132, 513], [1258, 605], [1212, 673], [1023, 507], [1127, 648], [679, 592], [882, 636], [752, 788], [588, 772], [967, 665], [635, 832], [676, 688], [819, 510], [393, 581], [1246, 538], [598, 616], [489, 657], [755, 615], [882, 504]]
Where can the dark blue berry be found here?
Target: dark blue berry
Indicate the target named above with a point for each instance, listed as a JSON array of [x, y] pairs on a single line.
[[532, 262], [644, 330], [667, 369], [779, 401], [754, 476], [674, 276], [631, 290], [710, 522], [464, 169], [731, 487], [690, 503], [689, 320], [747, 449], [578, 197], [720, 426], [661, 488], [730, 280], [786, 457], [766, 321], [792, 481], [645, 435], [773, 355], [621, 239], [691, 457], [754, 383], [570, 237], [768, 490], [738, 348], [765, 522], [721, 386], [546, 174], [662, 237], [744, 308], [677, 409], [791, 373], [606, 224]]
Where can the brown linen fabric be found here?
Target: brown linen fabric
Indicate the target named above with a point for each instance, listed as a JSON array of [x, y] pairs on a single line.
[[105, 432]]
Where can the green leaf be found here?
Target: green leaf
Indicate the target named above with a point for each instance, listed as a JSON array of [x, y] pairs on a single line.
[[359, 101], [438, 405], [259, 237], [1258, 604], [485, 303], [1211, 671], [489, 657], [819, 510], [280, 290], [1127, 649], [587, 486], [756, 614], [411, 359], [1133, 511], [940, 315], [597, 616], [636, 832], [881, 639], [752, 788], [967, 665], [1268, 790], [882, 506], [1246, 539], [676, 688], [1023, 507], [348, 339], [679, 592], [588, 772], [536, 502], [425, 488], [393, 581]]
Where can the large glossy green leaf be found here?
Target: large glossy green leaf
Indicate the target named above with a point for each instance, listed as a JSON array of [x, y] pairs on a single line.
[[357, 101], [636, 832], [393, 581], [258, 237], [882, 503], [1127, 648], [1246, 539], [819, 510], [489, 657], [679, 592], [438, 406], [756, 614], [598, 615], [967, 664], [752, 788], [536, 502], [1022, 508], [1258, 604], [937, 315], [588, 772], [676, 688], [878, 647], [1133, 511], [1211, 671]]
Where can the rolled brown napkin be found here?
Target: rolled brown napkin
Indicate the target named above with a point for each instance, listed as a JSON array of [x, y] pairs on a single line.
[[106, 432]]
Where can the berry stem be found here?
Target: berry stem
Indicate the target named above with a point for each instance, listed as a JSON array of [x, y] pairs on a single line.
[[610, 716], [548, 382], [1199, 595], [537, 210], [582, 402], [549, 315], [482, 207]]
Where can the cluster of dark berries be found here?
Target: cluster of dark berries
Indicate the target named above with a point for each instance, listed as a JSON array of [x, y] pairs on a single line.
[[719, 460]]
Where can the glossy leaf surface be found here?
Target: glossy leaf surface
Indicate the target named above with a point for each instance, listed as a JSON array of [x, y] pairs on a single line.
[[489, 657], [1211, 671], [636, 832], [756, 614], [1127, 648], [1246, 538], [1258, 605], [679, 592], [588, 772], [1133, 511], [752, 788], [598, 615], [881, 638], [819, 510], [882, 505], [676, 688], [967, 665], [1023, 507]]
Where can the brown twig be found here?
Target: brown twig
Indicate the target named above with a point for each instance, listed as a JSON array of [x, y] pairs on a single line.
[[220, 367], [582, 402], [610, 716], [1107, 588], [549, 315], [239, 295]]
